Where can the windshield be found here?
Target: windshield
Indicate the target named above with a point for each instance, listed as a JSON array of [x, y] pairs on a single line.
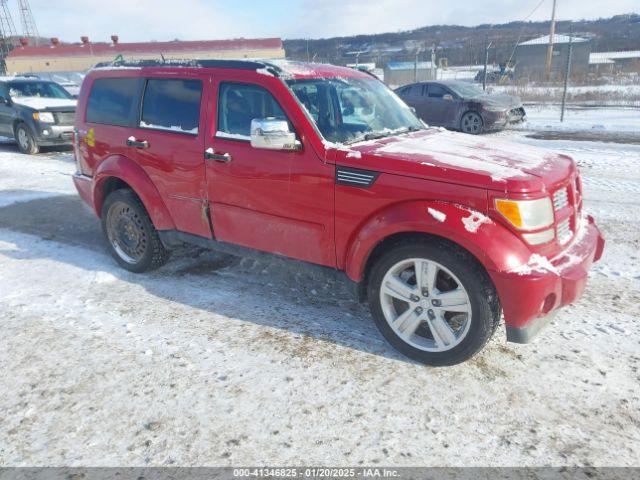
[[38, 89], [466, 89], [347, 110]]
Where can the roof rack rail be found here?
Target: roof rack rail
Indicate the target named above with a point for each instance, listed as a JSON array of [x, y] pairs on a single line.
[[232, 64]]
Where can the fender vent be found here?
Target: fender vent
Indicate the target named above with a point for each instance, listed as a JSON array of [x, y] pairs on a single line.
[[354, 177]]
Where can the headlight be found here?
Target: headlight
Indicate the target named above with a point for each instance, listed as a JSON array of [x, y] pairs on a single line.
[[44, 117], [526, 214], [490, 108]]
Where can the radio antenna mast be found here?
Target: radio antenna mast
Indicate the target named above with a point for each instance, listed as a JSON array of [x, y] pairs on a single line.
[[7, 31], [29, 28]]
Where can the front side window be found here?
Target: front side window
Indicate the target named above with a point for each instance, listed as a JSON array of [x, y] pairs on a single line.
[[348, 110], [437, 91], [38, 89], [238, 104], [112, 100], [172, 105]]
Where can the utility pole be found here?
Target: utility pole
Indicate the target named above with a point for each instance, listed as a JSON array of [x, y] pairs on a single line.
[[552, 34], [567, 73], [433, 62], [487, 46], [29, 28], [419, 50]]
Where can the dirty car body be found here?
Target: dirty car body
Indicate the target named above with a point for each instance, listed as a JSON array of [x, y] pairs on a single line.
[[463, 106], [439, 231], [36, 112]]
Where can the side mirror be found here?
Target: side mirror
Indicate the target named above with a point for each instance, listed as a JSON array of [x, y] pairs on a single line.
[[448, 97], [273, 134]]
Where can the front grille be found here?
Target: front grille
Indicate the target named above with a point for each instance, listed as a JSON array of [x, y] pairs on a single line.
[[560, 199], [64, 118], [564, 232]]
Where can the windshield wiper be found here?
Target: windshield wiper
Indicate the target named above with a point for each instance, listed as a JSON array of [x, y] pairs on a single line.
[[378, 135]]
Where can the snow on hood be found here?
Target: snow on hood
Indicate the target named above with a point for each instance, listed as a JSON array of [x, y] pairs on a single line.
[[487, 162], [41, 103]]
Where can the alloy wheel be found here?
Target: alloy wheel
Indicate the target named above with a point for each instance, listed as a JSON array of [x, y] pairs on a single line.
[[471, 123], [425, 305]]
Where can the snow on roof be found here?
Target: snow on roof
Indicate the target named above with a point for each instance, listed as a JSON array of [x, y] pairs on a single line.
[[557, 39], [70, 50], [408, 65], [609, 57]]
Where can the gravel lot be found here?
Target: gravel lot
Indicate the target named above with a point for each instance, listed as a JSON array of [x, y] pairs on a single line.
[[215, 360]]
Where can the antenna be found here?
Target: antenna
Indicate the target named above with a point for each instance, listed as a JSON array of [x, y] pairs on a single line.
[[28, 22], [7, 31]]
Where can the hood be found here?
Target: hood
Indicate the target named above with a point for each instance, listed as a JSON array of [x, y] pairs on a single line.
[[440, 155], [499, 100], [43, 103]]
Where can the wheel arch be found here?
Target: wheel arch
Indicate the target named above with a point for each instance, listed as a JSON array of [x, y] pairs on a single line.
[[117, 172], [492, 245]]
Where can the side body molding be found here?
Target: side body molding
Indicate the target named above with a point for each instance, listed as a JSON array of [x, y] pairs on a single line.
[[118, 166]]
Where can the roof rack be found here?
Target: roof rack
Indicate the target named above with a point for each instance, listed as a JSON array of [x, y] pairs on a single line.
[[232, 64]]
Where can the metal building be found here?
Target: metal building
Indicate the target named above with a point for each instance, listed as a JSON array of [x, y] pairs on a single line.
[[531, 56], [397, 74], [63, 57]]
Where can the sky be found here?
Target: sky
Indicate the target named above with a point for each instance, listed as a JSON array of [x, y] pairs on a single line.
[[144, 20]]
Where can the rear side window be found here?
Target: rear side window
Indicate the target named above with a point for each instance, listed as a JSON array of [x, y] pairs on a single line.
[[238, 104], [172, 105], [112, 101]]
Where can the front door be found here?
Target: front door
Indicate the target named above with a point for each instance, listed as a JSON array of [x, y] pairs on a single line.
[[7, 112], [274, 201], [441, 111]]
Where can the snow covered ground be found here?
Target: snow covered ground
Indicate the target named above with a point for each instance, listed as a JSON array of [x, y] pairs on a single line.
[[213, 360], [598, 120]]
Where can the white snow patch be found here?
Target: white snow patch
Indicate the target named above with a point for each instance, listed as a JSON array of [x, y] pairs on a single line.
[[437, 214], [232, 136], [173, 128], [41, 103], [537, 263], [473, 222], [354, 154]]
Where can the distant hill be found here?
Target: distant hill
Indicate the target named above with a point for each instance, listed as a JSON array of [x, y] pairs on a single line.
[[464, 45]]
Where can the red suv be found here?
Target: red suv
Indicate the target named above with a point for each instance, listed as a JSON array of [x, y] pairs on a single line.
[[440, 231]]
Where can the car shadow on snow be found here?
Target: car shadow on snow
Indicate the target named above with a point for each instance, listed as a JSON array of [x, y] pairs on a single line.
[[9, 145], [278, 293]]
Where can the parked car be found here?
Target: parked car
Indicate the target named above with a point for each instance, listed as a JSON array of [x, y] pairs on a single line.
[[438, 231], [36, 113], [462, 106]]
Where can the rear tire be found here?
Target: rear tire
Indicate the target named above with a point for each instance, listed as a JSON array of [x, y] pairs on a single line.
[[131, 237], [443, 319], [25, 139]]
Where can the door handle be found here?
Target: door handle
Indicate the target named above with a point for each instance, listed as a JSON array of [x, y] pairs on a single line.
[[209, 154], [135, 143]]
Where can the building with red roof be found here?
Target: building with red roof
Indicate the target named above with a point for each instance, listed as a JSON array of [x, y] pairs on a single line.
[[57, 56]]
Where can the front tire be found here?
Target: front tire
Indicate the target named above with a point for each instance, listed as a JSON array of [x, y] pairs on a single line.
[[472, 123], [25, 139], [433, 302], [131, 237]]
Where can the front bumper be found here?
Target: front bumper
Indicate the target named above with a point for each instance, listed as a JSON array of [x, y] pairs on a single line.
[[49, 135], [530, 298]]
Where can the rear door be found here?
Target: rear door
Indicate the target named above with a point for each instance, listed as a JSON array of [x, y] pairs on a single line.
[[275, 201], [168, 142]]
